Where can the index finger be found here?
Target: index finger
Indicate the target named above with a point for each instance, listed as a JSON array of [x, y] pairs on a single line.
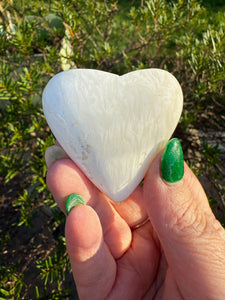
[[64, 178]]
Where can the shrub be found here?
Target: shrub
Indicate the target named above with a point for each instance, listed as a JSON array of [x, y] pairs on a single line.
[[41, 38]]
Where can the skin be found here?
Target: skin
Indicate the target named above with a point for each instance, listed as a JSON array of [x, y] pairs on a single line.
[[179, 253]]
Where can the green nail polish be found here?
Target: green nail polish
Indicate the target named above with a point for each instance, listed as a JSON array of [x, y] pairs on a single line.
[[172, 163], [74, 200]]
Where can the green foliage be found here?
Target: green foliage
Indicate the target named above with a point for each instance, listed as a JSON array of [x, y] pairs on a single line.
[[41, 38], [13, 283], [52, 270]]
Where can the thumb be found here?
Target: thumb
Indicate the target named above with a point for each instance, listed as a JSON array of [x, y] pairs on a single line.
[[192, 240]]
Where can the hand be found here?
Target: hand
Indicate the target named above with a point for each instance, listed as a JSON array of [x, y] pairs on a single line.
[[176, 252]]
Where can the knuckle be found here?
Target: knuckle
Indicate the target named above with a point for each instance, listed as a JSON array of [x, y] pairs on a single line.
[[189, 221]]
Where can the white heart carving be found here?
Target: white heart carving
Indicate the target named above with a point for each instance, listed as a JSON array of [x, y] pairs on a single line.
[[112, 126]]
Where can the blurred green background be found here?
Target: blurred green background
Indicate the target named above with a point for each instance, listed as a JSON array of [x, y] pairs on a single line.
[[41, 38]]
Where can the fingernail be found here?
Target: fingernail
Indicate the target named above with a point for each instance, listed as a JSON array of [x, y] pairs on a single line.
[[74, 200], [172, 163], [53, 154]]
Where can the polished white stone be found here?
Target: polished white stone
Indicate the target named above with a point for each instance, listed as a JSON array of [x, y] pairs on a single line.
[[112, 126]]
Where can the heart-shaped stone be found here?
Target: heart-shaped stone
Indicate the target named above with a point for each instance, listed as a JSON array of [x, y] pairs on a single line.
[[112, 126]]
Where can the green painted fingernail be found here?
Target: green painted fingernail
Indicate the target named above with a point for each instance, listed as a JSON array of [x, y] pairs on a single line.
[[74, 200], [172, 163]]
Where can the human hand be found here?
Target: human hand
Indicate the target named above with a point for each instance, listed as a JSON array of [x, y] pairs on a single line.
[[178, 253]]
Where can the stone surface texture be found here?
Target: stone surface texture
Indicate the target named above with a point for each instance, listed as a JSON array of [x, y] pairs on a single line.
[[112, 126]]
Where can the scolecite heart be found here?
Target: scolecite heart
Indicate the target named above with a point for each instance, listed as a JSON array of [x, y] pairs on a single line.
[[112, 126]]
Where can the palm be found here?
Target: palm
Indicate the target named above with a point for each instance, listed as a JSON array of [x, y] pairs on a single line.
[[112, 260], [142, 269]]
